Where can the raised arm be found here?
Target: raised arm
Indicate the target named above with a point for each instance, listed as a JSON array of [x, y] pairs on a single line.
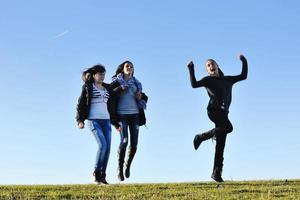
[[244, 73], [194, 83]]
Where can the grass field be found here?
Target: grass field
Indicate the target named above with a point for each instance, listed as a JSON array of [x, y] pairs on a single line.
[[277, 189]]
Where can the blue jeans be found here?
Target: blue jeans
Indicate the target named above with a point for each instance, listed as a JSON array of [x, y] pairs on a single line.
[[101, 128]]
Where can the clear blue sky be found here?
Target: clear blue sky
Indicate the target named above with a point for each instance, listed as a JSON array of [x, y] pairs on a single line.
[[45, 45]]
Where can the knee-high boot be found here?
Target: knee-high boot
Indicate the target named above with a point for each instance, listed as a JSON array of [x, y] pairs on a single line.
[[131, 154], [121, 155]]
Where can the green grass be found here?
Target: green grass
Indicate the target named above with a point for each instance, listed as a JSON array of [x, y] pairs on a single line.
[[285, 189]]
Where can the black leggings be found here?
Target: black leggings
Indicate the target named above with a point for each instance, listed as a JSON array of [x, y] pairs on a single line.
[[222, 127]]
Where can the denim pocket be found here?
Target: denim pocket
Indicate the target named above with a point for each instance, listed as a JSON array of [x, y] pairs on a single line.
[[91, 125]]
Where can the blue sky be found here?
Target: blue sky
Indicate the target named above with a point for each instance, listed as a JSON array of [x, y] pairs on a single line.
[[46, 45]]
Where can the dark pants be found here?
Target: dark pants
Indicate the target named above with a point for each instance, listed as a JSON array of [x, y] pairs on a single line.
[[222, 127], [132, 122]]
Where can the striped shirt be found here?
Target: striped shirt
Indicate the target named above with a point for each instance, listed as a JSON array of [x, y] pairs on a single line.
[[98, 108]]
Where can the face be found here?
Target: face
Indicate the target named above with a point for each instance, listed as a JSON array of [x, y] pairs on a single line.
[[212, 68], [128, 69], [99, 77]]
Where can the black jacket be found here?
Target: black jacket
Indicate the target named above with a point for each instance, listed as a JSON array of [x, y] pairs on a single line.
[[116, 90], [84, 101], [219, 89]]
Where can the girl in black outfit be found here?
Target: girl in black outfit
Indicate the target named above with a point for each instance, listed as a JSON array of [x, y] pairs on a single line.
[[219, 89]]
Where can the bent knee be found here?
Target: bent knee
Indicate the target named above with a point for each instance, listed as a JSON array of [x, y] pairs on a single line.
[[229, 129]]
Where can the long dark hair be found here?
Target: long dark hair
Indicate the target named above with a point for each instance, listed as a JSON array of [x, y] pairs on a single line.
[[120, 68], [87, 75]]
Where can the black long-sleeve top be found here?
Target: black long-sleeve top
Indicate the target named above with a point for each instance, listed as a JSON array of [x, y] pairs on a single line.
[[219, 89]]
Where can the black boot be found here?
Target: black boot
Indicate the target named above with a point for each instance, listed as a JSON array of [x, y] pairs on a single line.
[[218, 162], [217, 174], [97, 176], [121, 154], [102, 178], [202, 137], [131, 154]]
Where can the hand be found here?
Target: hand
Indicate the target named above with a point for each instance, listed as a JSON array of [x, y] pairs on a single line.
[[118, 128], [190, 64], [138, 96], [242, 57], [81, 125]]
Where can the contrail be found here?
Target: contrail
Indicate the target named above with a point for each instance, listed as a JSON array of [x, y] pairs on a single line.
[[61, 34]]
